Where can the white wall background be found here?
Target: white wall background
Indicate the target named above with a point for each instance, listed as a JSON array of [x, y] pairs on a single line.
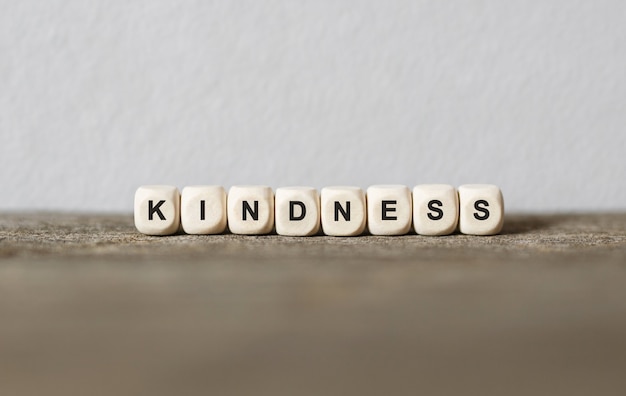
[[98, 97]]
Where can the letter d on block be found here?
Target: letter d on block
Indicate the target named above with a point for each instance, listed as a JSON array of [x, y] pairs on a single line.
[[297, 211], [157, 210]]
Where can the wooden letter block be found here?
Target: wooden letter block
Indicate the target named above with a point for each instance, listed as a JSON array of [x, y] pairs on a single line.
[[157, 210], [250, 210], [481, 209], [389, 210], [203, 209], [297, 211], [435, 209], [343, 211]]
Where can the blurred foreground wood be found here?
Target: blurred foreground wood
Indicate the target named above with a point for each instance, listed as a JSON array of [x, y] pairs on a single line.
[[90, 307]]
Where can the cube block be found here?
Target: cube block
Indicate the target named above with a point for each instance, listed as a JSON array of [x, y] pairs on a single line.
[[203, 209], [435, 209], [250, 210], [157, 210], [481, 209], [297, 211], [389, 210], [343, 211]]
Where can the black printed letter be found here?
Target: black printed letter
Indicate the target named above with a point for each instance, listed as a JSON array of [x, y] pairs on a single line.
[[431, 206], [344, 213], [155, 209], [291, 210], [386, 209], [247, 209], [477, 206]]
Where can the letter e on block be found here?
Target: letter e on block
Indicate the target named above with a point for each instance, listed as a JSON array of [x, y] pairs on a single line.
[[389, 210], [157, 210]]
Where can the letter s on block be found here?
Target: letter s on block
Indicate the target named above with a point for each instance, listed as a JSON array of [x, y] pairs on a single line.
[[439, 212], [483, 210]]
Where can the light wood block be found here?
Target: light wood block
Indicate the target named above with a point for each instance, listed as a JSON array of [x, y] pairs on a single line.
[[297, 211], [250, 210], [435, 209], [343, 211], [203, 209], [157, 210], [481, 209], [389, 210]]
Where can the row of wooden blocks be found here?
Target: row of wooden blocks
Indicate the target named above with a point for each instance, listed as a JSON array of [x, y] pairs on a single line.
[[432, 209]]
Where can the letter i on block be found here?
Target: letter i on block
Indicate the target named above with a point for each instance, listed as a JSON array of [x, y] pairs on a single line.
[[157, 210], [481, 209], [389, 210], [250, 210], [435, 209], [343, 211], [203, 209], [297, 211]]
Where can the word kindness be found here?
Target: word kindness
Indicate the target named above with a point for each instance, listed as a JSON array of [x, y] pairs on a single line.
[[432, 209]]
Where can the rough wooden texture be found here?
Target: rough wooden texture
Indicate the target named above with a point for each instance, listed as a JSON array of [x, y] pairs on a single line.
[[90, 307]]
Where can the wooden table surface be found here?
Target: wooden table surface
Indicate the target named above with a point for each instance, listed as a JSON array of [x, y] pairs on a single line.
[[88, 306]]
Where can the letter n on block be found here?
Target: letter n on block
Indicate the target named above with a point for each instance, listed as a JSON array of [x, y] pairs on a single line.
[[157, 210], [250, 210], [343, 211]]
